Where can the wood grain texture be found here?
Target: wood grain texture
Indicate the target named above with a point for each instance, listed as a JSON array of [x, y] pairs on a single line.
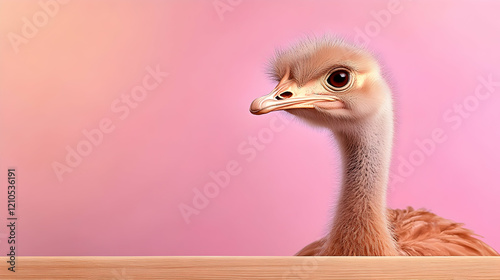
[[127, 268]]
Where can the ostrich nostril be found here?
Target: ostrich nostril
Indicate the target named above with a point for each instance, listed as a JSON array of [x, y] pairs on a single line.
[[284, 95]]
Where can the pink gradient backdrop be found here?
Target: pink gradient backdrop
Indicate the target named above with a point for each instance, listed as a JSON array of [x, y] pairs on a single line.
[[123, 199]]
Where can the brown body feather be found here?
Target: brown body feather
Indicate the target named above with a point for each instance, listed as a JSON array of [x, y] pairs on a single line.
[[422, 233]]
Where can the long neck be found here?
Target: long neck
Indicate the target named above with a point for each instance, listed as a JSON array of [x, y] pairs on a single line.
[[360, 227]]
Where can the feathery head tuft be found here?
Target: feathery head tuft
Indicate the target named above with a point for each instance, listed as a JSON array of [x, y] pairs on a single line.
[[313, 57]]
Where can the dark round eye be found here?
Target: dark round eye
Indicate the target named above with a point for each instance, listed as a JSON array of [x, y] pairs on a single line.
[[338, 78]]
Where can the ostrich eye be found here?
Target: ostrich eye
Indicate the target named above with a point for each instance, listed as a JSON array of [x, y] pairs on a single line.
[[338, 78]]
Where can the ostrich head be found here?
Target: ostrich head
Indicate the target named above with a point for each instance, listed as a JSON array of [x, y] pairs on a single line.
[[328, 83], [339, 86]]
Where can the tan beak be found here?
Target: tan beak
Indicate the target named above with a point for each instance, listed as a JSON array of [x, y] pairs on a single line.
[[287, 97]]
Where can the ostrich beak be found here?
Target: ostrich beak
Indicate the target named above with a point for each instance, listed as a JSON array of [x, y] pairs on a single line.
[[287, 97]]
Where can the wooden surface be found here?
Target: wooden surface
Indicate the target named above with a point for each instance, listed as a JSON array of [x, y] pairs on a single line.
[[127, 268]]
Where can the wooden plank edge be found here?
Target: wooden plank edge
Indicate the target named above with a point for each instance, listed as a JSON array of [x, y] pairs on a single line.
[[134, 267]]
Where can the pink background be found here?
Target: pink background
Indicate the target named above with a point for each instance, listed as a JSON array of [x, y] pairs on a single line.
[[124, 196]]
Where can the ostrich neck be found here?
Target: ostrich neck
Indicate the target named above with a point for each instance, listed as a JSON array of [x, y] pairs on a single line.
[[360, 226]]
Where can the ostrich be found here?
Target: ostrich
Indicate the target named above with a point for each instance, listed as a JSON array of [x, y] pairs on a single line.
[[332, 84]]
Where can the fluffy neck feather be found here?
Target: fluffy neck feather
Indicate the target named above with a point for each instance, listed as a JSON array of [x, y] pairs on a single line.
[[360, 227]]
